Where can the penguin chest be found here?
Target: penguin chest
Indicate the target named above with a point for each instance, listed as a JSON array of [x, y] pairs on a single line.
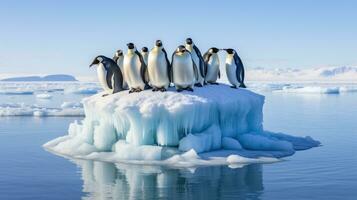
[[102, 75], [231, 71], [157, 69], [212, 68], [132, 71], [183, 70]]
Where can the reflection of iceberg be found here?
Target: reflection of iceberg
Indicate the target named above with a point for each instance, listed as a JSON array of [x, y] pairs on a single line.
[[103, 180], [214, 121]]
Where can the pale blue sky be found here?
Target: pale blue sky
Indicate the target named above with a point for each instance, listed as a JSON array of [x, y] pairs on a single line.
[[64, 36]]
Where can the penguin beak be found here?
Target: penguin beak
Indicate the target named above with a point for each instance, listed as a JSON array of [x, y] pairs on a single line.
[[95, 62]]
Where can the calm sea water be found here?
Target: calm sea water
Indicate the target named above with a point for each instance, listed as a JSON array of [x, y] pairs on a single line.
[[27, 171]]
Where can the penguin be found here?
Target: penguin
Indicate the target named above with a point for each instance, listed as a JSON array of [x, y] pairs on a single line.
[[234, 69], [119, 58], [109, 74], [145, 54], [198, 59], [183, 70], [159, 68], [212, 72], [135, 70]]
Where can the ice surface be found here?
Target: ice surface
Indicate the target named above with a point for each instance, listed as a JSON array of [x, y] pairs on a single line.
[[346, 74], [203, 127], [15, 109], [44, 96], [304, 88]]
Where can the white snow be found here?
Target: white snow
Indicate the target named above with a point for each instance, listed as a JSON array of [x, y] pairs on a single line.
[[209, 124]]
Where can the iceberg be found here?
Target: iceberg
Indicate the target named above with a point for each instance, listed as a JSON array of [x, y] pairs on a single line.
[[213, 125]]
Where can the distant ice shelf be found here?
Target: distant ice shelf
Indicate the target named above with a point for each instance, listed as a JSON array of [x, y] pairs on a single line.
[[214, 124]]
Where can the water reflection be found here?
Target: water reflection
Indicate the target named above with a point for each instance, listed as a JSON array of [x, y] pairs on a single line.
[[103, 180]]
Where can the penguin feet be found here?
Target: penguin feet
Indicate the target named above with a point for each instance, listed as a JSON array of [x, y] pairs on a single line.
[[138, 90], [189, 89], [162, 89], [155, 89], [104, 95], [132, 90], [147, 86], [214, 83], [234, 87], [179, 90], [198, 85], [242, 85]]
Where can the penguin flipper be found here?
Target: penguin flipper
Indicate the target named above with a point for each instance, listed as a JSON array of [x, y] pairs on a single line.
[[239, 69], [143, 68], [206, 57], [109, 77], [168, 65], [118, 83], [195, 70], [171, 68], [219, 73]]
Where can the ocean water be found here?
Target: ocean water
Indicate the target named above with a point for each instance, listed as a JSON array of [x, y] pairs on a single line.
[[27, 171]]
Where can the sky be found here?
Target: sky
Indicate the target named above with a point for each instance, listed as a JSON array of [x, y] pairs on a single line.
[[48, 36]]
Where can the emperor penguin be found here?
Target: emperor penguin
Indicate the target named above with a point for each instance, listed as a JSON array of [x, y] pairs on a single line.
[[109, 74], [119, 59], [198, 59], [234, 69], [212, 72], [184, 72], [135, 70], [145, 54], [159, 68]]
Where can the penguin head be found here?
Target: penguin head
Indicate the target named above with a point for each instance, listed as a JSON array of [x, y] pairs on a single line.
[[119, 53], [158, 43], [144, 49], [213, 50], [189, 41], [230, 51], [181, 49], [97, 60], [130, 46]]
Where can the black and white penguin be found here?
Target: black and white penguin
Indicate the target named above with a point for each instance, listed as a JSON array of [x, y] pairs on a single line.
[[184, 72], [119, 58], [135, 70], [234, 69], [211, 59], [198, 59], [145, 54], [159, 68], [109, 74]]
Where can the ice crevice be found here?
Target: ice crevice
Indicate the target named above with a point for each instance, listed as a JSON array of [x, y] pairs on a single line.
[[210, 125]]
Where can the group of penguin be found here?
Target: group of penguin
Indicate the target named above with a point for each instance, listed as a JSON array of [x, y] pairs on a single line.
[[136, 71]]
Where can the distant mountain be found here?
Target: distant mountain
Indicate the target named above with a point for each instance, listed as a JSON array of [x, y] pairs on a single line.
[[54, 77]]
